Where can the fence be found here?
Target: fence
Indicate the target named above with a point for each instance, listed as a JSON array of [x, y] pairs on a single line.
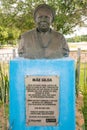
[[7, 56], [73, 54], [83, 55]]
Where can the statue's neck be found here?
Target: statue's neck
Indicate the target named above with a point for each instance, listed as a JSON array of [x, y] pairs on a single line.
[[44, 38]]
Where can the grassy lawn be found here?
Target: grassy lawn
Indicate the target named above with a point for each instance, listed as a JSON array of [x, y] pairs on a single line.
[[83, 89], [83, 76]]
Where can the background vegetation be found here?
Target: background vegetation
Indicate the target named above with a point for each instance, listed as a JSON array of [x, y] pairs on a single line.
[[4, 95], [16, 16], [81, 88], [78, 38]]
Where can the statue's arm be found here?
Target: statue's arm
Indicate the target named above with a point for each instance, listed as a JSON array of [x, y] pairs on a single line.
[[21, 47], [65, 47]]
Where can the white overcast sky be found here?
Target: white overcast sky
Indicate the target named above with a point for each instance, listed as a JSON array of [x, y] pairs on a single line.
[[78, 31]]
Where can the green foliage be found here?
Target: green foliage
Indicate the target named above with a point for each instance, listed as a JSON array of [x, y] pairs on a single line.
[[78, 39], [3, 34], [68, 14], [83, 89], [4, 94], [85, 98], [85, 107], [83, 76], [18, 14], [8, 34], [81, 85], [4, 84]]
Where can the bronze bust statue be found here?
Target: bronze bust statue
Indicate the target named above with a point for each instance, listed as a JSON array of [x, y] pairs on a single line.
[[43, 42]]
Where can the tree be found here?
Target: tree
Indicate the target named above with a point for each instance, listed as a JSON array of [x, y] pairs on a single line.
[[19, 14], [69, 14], [8, 35], [3, 34]]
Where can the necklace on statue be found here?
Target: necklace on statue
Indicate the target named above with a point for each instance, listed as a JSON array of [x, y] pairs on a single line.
[[44, 39]]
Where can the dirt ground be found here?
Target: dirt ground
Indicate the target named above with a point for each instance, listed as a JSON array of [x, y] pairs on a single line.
[[79, 114], [3, 119]]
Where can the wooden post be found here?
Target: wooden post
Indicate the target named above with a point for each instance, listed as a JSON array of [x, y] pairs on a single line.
[[14, 53], [78, 70]]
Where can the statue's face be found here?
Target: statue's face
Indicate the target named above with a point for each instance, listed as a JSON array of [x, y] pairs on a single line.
[[43, 21]]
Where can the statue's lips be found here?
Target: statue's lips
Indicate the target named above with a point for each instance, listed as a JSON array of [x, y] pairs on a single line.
[[43, 24]]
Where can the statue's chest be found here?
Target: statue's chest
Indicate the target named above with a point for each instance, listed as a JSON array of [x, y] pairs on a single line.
[[42, 47]]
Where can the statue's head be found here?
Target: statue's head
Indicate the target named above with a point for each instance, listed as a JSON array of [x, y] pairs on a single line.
[[44, 16]]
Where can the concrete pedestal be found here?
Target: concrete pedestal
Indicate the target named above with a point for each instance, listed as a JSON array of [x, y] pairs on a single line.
[[65, 69]]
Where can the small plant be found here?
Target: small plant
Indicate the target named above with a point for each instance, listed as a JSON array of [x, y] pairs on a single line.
[[4, 84], [85, 108], [85, 95], [4, 93]]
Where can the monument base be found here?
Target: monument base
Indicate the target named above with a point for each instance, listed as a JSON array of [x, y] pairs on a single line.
[[42, 94]]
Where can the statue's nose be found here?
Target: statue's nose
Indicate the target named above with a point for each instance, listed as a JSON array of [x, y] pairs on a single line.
[[43, 18]]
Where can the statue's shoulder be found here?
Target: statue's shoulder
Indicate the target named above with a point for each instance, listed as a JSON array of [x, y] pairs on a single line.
[[57, 34], [29, 33]]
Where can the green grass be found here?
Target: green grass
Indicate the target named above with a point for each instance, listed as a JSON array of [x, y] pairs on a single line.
[[83, 89], [83, 76]]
